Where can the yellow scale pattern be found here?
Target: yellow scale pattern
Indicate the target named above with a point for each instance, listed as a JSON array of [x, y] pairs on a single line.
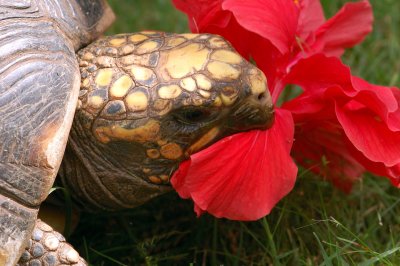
[[146, 74]]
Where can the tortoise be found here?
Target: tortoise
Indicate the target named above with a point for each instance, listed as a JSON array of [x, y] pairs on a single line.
[[138, 103]]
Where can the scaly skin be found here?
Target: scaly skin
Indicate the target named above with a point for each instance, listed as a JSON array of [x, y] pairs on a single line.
[[147, 101], [48, 247]]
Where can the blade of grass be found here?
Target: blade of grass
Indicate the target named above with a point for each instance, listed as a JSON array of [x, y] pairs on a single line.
[[107, 257], [327, 260]]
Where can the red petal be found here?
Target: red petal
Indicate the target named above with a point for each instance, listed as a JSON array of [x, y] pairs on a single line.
[[208, 16], [347, 28], [395, 116], [274, 20], [234, 33], [380, 99], [378, 168], [370, 135], [320, 147], [369, 114], [178, 179], [202, 13], [308, 106], [324, 77], [271, 62], [242, 177], [311, 17], [319, 72]]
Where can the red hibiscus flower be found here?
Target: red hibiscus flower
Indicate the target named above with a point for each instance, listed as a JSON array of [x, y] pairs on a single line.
[[343, 125], [354, 124], [277, 33]]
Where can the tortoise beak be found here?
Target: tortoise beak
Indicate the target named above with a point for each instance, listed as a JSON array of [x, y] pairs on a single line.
[[255, 112]]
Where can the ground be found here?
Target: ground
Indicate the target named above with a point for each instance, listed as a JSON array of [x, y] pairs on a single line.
[[315, 224]]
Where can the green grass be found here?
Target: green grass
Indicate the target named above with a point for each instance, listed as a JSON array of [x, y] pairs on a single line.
[[315, 225]]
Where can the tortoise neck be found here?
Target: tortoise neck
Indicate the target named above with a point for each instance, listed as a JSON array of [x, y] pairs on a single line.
[[97, 179]]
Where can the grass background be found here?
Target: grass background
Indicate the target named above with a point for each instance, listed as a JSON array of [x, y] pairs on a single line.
[[315, 225]]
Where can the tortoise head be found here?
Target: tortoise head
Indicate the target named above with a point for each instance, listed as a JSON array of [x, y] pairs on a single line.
[[150, 99]]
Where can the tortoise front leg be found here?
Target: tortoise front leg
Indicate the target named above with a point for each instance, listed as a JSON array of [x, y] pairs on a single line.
[[48, 247]]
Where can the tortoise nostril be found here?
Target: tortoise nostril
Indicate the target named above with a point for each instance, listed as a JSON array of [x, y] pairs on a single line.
[[263, 99]]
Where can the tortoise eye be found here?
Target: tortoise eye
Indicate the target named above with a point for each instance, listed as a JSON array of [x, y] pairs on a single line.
[[193, 115]]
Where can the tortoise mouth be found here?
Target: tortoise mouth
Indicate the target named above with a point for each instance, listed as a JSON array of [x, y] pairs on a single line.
[[205, 140], [248, 116], [256, 112]]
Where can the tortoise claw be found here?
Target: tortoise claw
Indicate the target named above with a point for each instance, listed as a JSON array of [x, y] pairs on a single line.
[[48, 247]]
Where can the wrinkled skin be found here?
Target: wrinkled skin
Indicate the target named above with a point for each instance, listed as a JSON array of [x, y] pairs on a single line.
[[149, 100]]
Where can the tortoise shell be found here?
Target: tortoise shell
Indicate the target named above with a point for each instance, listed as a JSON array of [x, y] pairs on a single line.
[[39, 86]]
